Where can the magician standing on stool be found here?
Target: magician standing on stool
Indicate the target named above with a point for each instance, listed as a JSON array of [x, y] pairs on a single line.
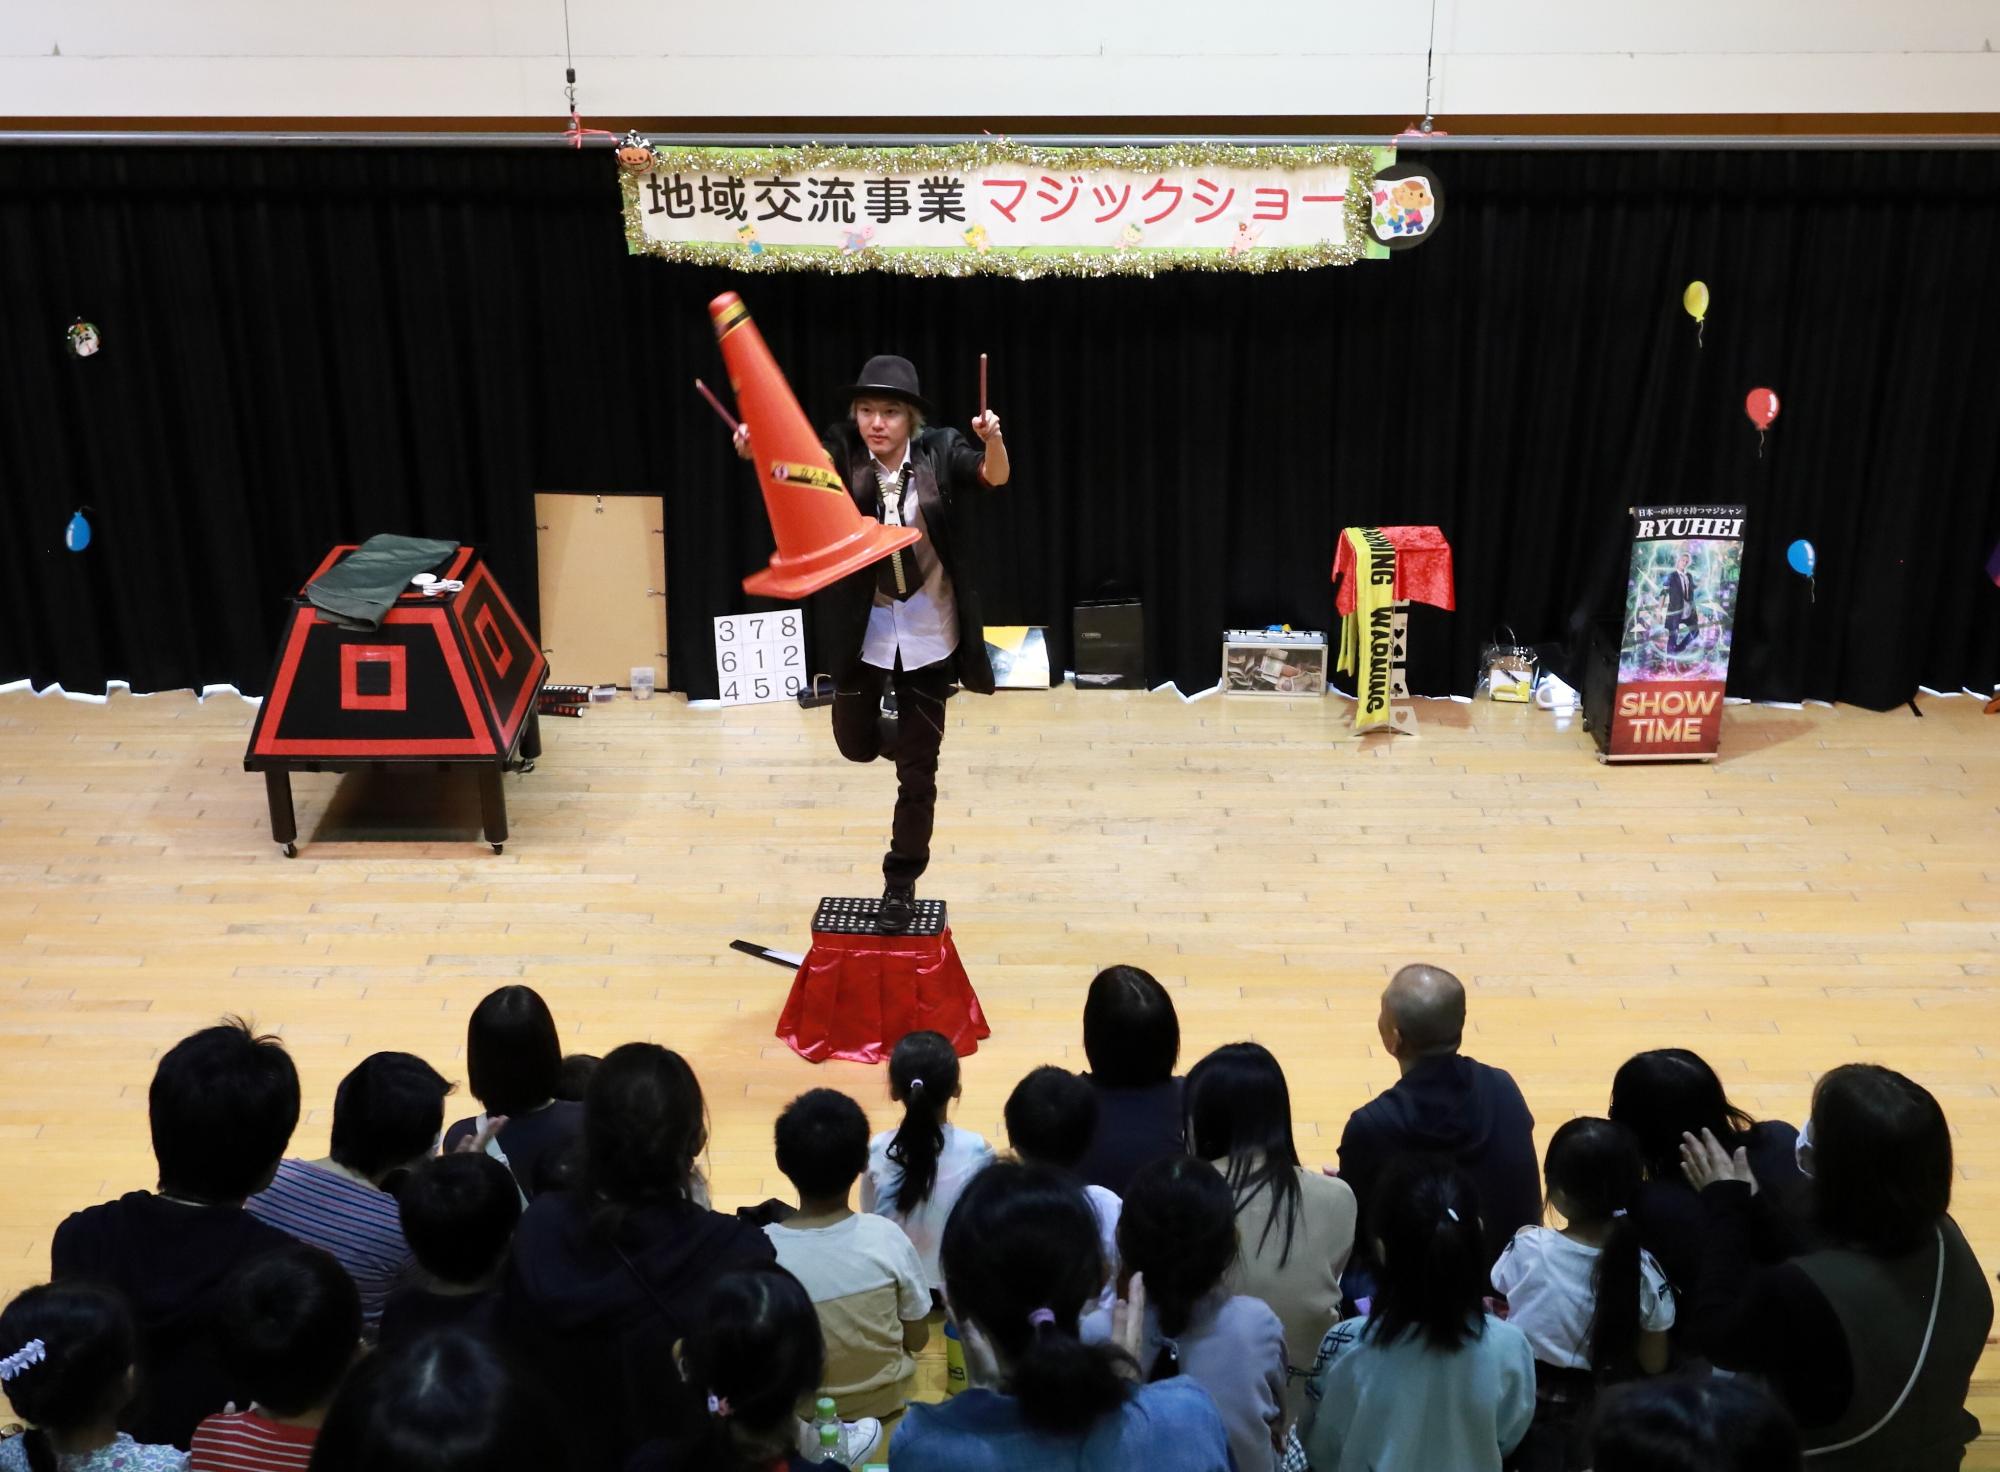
[[912, 618]]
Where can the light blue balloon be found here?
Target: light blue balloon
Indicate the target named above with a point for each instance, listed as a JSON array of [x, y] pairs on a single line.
[[77, 535], [1802, 557]]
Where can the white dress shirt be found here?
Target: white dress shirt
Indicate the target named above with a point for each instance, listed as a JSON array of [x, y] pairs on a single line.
[[923, 628]]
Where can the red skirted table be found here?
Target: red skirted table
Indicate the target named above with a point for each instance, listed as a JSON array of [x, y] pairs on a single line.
[[859, 991]]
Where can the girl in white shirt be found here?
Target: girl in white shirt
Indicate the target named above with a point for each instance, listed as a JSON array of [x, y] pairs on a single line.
[[1594, 1304], [917, 1171]]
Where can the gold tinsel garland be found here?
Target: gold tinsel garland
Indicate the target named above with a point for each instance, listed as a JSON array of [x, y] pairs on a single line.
[[1026, 265]]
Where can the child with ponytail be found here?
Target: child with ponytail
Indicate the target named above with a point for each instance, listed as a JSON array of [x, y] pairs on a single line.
[[754, 1354], [1021, 1262], [917, 1170], [1594, 1304], [1178, 1230], [1428, 1380], [67, 1352]]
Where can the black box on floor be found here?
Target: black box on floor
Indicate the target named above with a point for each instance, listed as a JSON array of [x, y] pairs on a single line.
[[1111, 645]]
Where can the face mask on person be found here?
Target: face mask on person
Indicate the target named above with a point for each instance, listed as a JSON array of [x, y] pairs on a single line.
[[1802, 1149]]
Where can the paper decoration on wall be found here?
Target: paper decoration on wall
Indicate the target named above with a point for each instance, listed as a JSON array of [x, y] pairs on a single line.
[[76, 536], [84, 339], [1405, 204], [1695, 302]]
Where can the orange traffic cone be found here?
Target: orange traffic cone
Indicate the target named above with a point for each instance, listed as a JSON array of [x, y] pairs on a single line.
[[821, 537]]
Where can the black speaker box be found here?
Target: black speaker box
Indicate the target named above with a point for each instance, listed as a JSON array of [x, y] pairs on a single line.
[[1110, 645]]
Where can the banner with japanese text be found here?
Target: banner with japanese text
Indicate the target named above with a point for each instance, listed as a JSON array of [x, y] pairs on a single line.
[[1680, 611], [1017, 210]]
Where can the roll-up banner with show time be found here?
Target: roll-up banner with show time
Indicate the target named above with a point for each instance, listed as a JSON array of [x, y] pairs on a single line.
[[1016, 210], [1680, 611]]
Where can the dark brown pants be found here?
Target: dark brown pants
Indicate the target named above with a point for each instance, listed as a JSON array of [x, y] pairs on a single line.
[[857, 730]]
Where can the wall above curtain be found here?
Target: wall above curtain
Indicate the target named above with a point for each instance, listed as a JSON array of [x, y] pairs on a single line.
[[300, 347]]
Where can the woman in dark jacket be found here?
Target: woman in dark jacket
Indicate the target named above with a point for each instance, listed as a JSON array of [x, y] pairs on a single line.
[[1870, 1341], [607, 1277]]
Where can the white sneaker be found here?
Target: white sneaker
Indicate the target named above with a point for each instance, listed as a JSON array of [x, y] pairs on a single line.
[[858, 1441]]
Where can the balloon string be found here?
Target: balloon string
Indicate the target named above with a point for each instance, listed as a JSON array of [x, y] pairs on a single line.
[[1812, 590], [1760, 444], [1700, 326]]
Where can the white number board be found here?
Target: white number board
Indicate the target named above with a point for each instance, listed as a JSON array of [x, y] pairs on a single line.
[[760, 656]]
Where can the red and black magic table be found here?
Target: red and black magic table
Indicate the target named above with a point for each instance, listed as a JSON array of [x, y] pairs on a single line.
[[445, 681]]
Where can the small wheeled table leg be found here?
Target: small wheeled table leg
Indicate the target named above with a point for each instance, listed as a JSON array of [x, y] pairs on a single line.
[[284, 822], [493, 805]]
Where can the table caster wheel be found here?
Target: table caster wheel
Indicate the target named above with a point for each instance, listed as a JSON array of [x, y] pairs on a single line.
[[497, 847], [291, 850]]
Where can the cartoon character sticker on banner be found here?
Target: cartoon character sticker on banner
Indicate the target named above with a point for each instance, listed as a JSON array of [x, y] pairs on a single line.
[[747, 234], [635, 153], [1405, 204], [976, 238]]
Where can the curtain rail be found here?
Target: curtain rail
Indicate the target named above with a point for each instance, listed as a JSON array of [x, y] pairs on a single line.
[[1540, 142]]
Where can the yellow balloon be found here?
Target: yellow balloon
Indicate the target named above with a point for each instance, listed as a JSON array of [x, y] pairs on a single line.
[[1695, 299]]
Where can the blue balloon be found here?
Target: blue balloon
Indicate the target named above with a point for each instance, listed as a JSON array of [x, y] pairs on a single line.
[[1802, 557], [77, 535]]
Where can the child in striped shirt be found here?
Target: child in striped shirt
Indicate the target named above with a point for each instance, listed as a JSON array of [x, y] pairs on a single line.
[[387, 1116], [291, 1329]]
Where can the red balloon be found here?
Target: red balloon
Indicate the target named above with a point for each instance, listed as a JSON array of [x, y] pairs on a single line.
[[1762, 407]]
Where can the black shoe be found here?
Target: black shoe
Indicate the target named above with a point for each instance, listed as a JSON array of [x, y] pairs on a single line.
[[898, 909]]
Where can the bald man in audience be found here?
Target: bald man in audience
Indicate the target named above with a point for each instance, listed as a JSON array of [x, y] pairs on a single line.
[[1444, 1104]]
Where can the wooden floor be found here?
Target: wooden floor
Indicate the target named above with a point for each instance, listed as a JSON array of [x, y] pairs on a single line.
[[1829, 890]]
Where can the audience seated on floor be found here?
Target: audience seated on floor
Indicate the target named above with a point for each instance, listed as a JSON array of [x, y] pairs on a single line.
[[1132, 1039], [1429, 1378], [68, 1371], [386, 1117], [606, 1278], [1021, 1263], [617, 1320], [1296, 1225], [1177, 1237], [514, 1068], [1871, 1339], [861, 1272], [291, 1330], [916, 1171], [459, 1213], [222, 1106], [1051, 1117], [1444, 1103]]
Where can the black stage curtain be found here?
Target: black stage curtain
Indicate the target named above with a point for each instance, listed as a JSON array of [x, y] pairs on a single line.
[[303, 346]]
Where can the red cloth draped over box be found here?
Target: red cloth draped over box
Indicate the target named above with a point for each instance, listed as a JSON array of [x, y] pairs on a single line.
[[856, 995], [1423, 568]]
